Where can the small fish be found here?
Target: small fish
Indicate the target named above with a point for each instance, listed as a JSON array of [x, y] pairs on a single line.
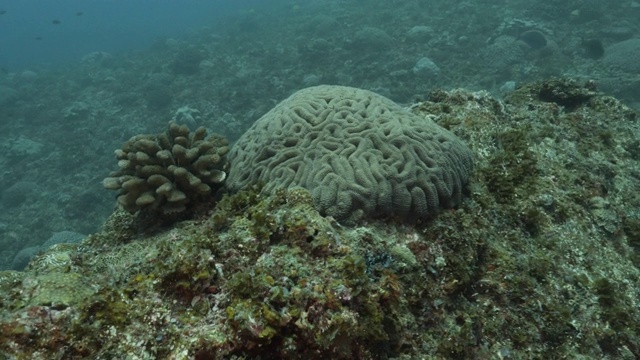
[[2, 12], [38, 38], [56, 22], [79, 13]]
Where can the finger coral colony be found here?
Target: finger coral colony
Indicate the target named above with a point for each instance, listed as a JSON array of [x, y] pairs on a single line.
[[169, 172]]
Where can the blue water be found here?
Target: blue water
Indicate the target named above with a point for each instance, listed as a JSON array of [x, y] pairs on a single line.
[[29, 38]]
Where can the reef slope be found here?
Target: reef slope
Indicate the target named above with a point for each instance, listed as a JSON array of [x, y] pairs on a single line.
[[539, 261]]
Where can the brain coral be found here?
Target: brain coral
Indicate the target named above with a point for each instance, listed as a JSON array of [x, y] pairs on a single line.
[[624, 56], [358, 153], [63, 237], [167, 172]]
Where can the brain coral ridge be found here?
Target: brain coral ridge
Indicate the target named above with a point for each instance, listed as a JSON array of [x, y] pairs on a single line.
[[357, 152], [167, 172]]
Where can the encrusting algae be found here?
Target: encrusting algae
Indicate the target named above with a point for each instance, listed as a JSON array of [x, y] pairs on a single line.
[[539, 261]]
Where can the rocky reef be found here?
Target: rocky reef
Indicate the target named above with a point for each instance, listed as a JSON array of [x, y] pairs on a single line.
[[540, 260], [247, 62]]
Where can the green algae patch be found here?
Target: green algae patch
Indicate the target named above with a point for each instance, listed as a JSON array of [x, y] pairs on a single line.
[[59, 289]]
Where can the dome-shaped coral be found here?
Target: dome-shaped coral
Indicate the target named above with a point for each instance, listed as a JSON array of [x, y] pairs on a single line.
[[357, 152]]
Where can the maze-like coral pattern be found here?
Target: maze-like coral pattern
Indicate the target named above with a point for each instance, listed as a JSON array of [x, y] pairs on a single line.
[[358, 153]]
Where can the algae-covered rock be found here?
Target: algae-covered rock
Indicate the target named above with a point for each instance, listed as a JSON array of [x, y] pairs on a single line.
[[58, 289], [540, 261]]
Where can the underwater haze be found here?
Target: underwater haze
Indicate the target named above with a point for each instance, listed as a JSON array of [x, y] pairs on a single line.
[[45, 33]]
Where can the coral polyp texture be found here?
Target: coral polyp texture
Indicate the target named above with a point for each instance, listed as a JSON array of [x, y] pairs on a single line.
[[166, 173], [357, 152]]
